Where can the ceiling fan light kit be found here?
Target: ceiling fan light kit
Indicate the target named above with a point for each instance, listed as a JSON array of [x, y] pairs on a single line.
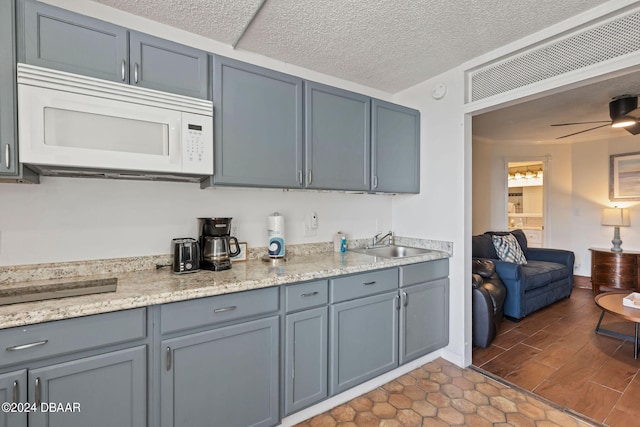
[[623, 122], [624, 114]]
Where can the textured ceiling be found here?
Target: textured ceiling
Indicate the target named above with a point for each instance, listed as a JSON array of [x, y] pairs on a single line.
[[221, 20], [393, 44], [385, 44], [529, 122]]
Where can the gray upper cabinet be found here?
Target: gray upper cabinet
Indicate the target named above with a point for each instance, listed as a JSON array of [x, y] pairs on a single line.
[[337, 135], [63, 40], [8, 116], [395, 145], [56, 38], [222, 377], [13, 389], [258, 126], [167, 66], [109, 389]]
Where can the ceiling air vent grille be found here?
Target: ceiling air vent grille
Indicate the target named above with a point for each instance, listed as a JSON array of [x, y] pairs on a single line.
[[597, 44]]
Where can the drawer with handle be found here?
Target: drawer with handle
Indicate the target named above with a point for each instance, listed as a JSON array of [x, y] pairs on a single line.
[[363, 284], [200, 312], [306, 295], [21, 344], [423, 272]]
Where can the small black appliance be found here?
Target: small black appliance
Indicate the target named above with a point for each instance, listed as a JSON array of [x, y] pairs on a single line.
[[215, 242]]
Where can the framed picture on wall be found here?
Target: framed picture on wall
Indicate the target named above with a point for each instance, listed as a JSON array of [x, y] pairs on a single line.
[[624, 176]]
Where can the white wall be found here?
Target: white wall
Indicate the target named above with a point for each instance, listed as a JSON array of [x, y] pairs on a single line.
[[591, 194], [489, 199], [438, 212], [67, 219], [578, 180], [78, 219]]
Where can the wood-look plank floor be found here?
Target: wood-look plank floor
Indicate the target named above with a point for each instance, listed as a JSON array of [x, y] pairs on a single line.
[[555, 353]]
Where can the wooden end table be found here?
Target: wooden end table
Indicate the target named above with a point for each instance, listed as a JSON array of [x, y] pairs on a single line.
[[611, 302]]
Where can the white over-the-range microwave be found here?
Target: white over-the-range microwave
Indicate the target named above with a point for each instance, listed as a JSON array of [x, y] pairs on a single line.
[[73, 125]]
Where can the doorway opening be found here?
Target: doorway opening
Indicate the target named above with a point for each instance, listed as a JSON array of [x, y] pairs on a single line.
[[525, 200]]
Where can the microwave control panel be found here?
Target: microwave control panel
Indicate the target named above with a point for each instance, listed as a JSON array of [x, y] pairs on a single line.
[[197, 147]]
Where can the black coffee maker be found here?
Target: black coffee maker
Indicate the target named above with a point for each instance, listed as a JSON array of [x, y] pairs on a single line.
[[215, 245]]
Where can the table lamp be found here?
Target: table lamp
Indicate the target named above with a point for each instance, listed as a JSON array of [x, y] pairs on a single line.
[[617, 217]]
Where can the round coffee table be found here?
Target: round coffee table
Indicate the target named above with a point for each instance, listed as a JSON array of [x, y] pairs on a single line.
[[611, 302]]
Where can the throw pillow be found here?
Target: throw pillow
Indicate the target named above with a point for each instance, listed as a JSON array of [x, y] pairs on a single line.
[[508, 249]]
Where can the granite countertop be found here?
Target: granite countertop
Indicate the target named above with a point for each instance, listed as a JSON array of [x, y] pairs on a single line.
[[158, 286]]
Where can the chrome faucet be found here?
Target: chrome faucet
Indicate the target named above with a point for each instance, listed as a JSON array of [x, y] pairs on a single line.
[[377, 239]]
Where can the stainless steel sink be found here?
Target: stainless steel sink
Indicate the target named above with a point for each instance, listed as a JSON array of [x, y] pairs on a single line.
[[392, 251]]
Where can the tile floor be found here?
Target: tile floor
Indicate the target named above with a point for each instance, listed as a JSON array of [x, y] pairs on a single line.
[[442, 394], [556, 354]]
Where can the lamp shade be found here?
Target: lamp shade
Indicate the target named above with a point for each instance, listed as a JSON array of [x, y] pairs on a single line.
[[616, 217]]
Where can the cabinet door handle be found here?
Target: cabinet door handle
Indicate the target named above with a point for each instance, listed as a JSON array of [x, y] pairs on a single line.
[[223, 309], [123, 70], [397, 299], [375, 181], [38, 391], [406, 298], [309, 176], [309, 294], [168, 358], [16, 391], [135, 72], [369, 283], [300, 176], [26, 346], [7, 155]]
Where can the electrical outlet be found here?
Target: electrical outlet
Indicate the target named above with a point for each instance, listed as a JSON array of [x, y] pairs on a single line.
[[310, 225]]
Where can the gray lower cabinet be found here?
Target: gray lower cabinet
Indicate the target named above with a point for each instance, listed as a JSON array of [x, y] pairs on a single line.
[[108, 390], [395, 148], [222, 377], [305, 358], [97, 363], [424, 319], [13, 389], [337, 138], [56, 38], [258, 126], [363, 340]]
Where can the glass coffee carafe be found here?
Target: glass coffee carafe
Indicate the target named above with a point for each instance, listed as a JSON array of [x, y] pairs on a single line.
[[215, 243]]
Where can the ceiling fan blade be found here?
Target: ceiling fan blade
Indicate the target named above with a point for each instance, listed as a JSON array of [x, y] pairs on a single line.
[[583, 131], [633, 130], [582, 123]]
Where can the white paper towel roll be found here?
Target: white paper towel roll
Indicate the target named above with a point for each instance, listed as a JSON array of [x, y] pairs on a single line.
[[276, 235]]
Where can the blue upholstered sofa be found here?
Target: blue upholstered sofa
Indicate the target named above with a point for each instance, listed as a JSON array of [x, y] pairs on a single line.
[[546, 278]]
